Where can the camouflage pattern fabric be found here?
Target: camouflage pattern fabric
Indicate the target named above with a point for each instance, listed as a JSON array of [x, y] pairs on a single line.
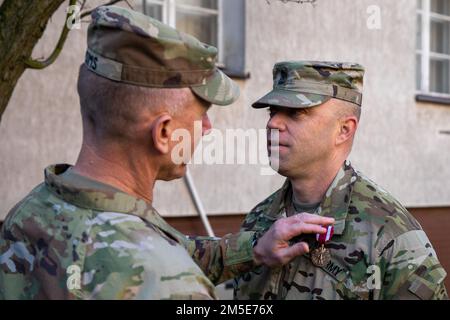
[[306, 84], [378, 250], [75, 238], [130, 47]]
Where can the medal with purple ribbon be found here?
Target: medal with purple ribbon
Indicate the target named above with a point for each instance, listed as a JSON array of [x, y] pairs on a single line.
[[320, 256]]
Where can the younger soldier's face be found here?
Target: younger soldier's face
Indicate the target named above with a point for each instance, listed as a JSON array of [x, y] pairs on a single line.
[[306, 138]]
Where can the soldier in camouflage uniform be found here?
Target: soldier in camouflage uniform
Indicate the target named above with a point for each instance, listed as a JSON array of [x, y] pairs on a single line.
[[378, 250], [90, 231]]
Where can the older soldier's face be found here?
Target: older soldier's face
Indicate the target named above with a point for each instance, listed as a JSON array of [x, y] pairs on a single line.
[[192, 118], [306, 138]]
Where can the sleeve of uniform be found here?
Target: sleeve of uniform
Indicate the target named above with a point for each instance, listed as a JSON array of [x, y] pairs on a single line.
[[16, 261], [223, 258], [132, 261], [412, 269], [229, 257]]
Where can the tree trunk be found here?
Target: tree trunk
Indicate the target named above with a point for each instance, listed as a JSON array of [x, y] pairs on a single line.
[[22, 23]]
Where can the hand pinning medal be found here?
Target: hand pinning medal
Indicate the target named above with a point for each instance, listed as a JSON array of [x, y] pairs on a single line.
[[320, 256]]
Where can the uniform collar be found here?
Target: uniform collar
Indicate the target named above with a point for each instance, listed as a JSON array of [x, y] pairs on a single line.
[[94, 195], [338, 196], [335, 202]]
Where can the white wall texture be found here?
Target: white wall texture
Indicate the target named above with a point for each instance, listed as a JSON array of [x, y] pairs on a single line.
[[397, 145]]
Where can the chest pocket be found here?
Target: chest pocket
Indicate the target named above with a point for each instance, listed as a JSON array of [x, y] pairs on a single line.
[[349, 284], [333, 281]]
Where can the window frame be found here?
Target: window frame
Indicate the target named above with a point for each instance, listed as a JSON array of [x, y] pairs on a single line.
[[426, 55]]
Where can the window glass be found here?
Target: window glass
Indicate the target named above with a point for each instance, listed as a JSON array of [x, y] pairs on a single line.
[[202, 26], [439, 76]]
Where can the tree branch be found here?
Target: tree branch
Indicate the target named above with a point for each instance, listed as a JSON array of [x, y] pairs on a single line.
[[313, 2], [36, 64], [22, 24]]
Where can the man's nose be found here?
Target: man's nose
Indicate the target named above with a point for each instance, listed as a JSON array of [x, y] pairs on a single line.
[[276, 122], [206, 125]]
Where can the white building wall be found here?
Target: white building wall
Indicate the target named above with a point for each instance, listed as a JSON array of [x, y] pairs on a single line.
[[398, 144]]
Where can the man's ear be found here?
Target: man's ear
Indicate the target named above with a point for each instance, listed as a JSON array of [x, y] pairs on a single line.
[[347, 128], [161, 131]]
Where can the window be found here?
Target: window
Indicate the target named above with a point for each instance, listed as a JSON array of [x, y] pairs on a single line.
[[200, 18], [433, 48], [220, 23]]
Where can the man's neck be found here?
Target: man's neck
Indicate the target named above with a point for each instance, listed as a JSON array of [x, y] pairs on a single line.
[[311, 186], [122, 173]]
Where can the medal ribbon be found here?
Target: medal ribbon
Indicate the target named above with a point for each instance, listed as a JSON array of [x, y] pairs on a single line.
[[324, 238]]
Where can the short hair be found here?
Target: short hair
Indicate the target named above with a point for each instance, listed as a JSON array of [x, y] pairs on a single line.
[[346, 108], [112, 108]]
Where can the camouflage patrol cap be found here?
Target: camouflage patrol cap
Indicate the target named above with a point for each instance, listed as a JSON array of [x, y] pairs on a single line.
[[130, 47], [305, 84]]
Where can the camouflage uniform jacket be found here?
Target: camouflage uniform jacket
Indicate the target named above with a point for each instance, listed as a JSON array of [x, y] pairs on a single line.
[[76, 238], [378, 251]]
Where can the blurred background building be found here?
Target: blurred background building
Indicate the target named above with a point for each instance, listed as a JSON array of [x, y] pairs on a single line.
[[403, 142]]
